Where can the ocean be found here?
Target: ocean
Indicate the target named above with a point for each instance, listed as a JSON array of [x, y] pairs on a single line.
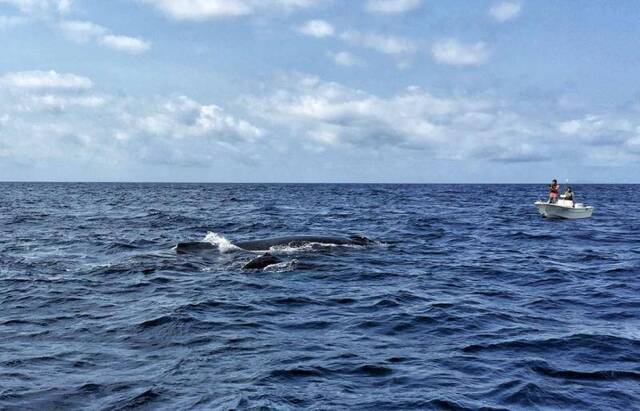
[[466, 299]]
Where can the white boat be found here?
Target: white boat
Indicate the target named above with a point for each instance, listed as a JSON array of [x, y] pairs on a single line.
[[564, 209]]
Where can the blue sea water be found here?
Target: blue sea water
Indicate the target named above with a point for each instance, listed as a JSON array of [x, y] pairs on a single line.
[[468, 299]]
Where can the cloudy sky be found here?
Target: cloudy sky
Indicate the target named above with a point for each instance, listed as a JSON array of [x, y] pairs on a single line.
[[320, 90]]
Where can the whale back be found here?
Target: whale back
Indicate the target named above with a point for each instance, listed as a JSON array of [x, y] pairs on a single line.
[[194, 247], [296, 241], [267, 243]]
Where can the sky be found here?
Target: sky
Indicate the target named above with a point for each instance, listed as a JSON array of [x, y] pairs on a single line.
[[390, 91]]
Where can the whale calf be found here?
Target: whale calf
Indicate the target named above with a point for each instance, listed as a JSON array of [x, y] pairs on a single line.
[[267, 243], [261, 262]]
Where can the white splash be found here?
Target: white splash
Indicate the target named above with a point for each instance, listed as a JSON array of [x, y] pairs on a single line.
[[306, 247], [282, 267], [309, 247], [224, 245]]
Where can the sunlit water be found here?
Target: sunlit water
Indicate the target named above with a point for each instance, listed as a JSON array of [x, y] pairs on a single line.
[[468, 299]]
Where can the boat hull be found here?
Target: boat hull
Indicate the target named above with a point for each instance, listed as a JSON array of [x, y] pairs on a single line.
[[558, 211]]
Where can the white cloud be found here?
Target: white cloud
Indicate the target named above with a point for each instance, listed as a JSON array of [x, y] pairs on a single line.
[[81, 31], [382, 43], [42, 91], [570, 128], [633, 144], [329, 114], [452, 52], [392, 6], [40, 6], [504, 11], [59, 103], [180, 131], [386, 44], [127, 44], [183, 117], [75, 30], [40, 80], [201, 10], [86, 31], [598, 129], [70, 124], [76, 122], [317, 28], [325, 116], [345, 59], [608, 139], [290, 4]]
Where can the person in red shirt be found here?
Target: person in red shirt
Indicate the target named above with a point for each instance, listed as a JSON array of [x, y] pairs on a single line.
[[554, 189]]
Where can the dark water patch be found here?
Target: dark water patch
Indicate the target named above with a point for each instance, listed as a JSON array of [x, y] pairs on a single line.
[[374, 370], [24, 362], [298, 372], [292, 301], [520, 235], [19, 322], [600, 375], [342, 301], [597, 343], [160, 280], [397, 360], [385, 303]]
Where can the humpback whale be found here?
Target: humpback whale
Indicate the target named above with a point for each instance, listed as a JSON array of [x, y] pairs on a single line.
[[266, 244]]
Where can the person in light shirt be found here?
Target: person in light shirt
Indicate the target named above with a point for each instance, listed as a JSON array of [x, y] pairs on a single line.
[[568, 195]]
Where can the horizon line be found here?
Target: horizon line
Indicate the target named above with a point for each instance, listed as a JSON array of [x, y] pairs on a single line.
[[292, 182]]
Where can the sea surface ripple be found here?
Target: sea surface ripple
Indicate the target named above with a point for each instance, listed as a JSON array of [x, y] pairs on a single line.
[[468, 300]]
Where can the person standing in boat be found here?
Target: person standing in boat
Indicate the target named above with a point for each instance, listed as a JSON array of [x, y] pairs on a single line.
[[554, 189]]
